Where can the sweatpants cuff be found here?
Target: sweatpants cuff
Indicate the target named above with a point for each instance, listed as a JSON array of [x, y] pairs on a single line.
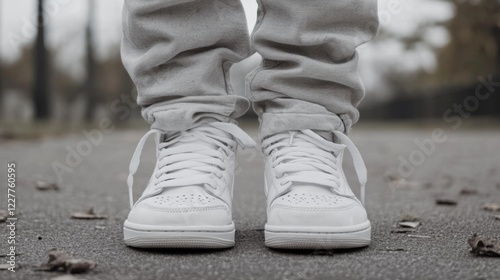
[[187, 112], [272, 123]]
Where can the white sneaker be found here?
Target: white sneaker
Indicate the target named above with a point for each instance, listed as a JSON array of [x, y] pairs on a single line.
[[309, 202], [187, 203]]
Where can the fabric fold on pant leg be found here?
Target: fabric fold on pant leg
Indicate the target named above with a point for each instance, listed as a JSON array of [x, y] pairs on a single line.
[[178, 53], [309, 68]]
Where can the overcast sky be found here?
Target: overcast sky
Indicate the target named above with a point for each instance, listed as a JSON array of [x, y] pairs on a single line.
[[65, 32]]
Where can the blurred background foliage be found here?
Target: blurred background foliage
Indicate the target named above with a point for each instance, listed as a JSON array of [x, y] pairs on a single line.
[[427, 56]]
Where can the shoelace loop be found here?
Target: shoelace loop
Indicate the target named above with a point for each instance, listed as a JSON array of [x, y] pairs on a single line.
[[190, 157]]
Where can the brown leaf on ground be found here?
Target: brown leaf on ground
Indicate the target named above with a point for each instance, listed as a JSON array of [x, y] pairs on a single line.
[[79, 265], [87, 215], [446, 201], [44, 186], [484, 246], [394, 250], [466, 191], [400, 183], [491, 207], [409, 218], [403, 230], [61, 261], [409, 224], [3, 215], [56, 261]]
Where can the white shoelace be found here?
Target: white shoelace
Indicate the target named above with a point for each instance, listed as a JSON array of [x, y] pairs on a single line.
[[190, 157], [306, 157]]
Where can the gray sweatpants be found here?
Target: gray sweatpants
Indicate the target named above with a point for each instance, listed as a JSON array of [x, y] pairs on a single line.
[[178, 53]]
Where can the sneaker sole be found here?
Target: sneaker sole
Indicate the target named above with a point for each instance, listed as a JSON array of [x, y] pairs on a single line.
[[302, 239], [180, 238]]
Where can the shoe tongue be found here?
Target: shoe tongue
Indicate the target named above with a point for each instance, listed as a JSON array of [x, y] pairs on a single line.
[[326, 141], [325, 137], [325, 134], [190, 138]]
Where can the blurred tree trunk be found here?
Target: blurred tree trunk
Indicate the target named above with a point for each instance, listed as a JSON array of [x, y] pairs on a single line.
[[496, 103], [90, 84], [496, 35], [41, 97]]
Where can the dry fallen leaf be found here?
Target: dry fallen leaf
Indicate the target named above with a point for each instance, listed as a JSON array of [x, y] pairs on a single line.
[[56, 261], [409, 224], [3, 215], [403, 230], [79, 265], [59, 260], [492, 207], [466, 191], [88, 215], [400, 183], [484, 246], [409, 218], [446, 201], [44, 186], [394, 250]]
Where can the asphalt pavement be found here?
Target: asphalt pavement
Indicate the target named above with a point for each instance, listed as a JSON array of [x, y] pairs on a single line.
[[423, 170]]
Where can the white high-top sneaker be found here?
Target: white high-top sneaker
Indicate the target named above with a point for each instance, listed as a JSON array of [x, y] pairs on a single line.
[[309, 202], [187, 203]]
